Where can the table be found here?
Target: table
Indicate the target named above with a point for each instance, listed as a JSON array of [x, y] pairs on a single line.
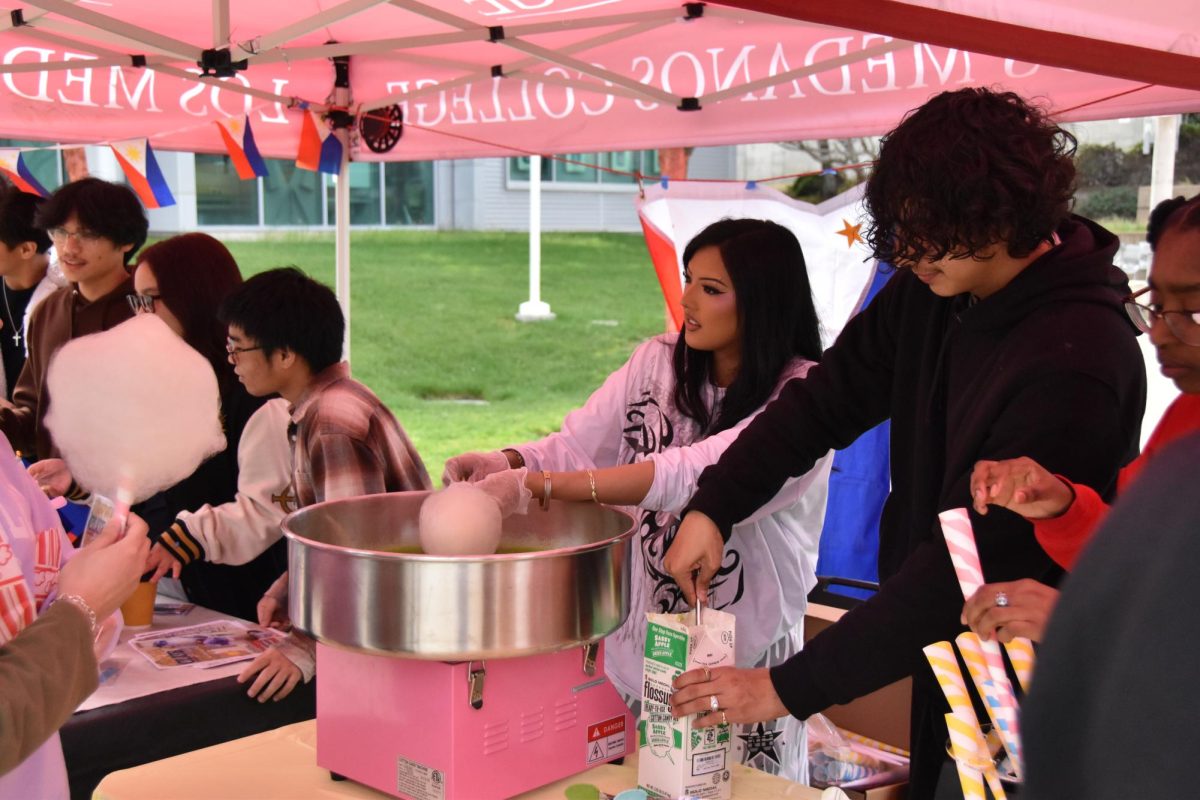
[[283, 764], [146, 714]]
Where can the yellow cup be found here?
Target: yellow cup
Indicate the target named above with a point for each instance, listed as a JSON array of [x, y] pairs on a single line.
[[138, 610]]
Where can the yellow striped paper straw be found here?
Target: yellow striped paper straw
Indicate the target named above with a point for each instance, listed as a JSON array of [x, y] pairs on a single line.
[[878, 745], [945, 668], [998, 698], [963, 735], [1020, 653]]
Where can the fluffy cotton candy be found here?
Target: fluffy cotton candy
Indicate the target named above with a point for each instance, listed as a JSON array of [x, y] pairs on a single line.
[[459, 520], [133, 408]]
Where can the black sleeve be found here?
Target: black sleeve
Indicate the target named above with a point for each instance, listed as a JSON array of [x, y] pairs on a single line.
[[847, 393], [1070, 424]]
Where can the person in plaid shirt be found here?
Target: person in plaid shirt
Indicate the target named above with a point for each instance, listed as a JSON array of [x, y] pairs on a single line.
[[285, 337]]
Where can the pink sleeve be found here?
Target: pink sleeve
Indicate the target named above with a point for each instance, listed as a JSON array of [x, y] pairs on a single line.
[[1064, 537]]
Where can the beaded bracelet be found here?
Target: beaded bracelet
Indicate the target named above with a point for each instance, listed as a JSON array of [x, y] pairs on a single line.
[[545, 490], [82, 605], [592, 482]]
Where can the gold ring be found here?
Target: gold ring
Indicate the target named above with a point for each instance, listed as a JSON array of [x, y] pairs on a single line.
[[724, 721], [707, 674]]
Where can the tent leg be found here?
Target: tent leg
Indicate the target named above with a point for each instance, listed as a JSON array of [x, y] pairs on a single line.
[[534, 310]]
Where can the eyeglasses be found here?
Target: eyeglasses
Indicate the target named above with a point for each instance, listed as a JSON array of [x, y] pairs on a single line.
[[234, 351], [141, 303], [1183, 324], [83, 236]]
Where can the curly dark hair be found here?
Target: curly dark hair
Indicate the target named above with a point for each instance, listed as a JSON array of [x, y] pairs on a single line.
[[967, 170], [1170, 214]]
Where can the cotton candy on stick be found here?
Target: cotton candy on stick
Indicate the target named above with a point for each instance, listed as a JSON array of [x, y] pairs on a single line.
[[133, 409]]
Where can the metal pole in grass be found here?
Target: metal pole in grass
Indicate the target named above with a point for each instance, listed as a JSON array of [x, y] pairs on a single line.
[[534, 310]]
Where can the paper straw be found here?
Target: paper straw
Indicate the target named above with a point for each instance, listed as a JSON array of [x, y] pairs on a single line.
[[967, 745], [945, 668], [1020, 653], [960, 541], [997, 696], [962, 745], [878, 745]]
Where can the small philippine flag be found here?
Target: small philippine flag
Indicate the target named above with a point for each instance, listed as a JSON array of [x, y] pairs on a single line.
[[239, 141], [13, 167], [319, 148], [141, 169]]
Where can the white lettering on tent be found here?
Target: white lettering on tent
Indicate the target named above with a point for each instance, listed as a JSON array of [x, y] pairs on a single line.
[[778, 65], [187, 95], [420, 118], [697, 73], [462, 101], [843, 46], [279, 85], [145, 84], [527, 107], [510, 6], [1010, 68], [887, 61], [214, 97], [568, 94], [943, 72], [42, 78], [80, 76], [604, 109], [646, 78], [742, 62], [495, 98]]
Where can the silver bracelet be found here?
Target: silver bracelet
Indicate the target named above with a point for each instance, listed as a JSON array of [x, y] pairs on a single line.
[[82, 605]]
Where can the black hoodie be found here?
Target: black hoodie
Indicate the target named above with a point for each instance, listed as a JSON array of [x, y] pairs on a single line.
[[1047, 367]]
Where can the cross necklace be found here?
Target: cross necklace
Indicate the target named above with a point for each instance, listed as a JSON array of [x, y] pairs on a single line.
[[16, 337]]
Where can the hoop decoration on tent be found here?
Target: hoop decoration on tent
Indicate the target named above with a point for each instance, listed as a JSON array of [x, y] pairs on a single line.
[[382, 128]]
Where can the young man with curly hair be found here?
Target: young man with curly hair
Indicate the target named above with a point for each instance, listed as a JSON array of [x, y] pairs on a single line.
[[1002, 334]]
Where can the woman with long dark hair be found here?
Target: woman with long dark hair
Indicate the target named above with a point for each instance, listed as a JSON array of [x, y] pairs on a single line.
[[644, 436]]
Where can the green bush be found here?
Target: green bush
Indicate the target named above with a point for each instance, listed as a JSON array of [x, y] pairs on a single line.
[[1110, 201]]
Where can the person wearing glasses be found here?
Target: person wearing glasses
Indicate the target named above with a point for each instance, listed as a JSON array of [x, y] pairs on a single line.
[[1064, 513], [28, 278], [285, 338], [96, 227], [1001, 334]]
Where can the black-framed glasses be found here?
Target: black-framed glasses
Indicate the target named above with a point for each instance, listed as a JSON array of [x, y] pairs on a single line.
[[141, 303], [83, 236], [1183, 324], [234, 351]]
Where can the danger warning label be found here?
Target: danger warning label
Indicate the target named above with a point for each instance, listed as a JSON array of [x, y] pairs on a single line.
[[605, 740]]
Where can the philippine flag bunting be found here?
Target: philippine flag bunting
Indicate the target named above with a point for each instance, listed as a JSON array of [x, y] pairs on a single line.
[[13, 167], [243, 152], [136, 158], [319, 148]]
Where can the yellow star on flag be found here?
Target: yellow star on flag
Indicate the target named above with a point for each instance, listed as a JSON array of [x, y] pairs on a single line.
[[850, 232]]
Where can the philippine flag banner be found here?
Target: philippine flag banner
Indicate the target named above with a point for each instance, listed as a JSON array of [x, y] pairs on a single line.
[[141, 169], [13, 167], [319, 148], [239, 141]]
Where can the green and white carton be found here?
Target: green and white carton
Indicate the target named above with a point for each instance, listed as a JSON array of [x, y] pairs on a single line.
[[673, 759]]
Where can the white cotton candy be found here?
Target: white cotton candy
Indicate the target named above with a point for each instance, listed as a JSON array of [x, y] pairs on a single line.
[[460, 520], [133, 409]]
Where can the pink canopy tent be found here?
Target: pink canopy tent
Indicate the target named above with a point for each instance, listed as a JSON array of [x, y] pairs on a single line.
[[493, 77]]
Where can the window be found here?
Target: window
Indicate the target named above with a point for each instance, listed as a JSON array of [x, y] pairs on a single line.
[[580, 168], [408, 192], [221, 197]]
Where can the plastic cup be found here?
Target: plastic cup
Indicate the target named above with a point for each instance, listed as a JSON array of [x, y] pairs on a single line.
[[138, 610]]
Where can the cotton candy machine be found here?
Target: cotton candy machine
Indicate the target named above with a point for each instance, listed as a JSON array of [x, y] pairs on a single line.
[[461, 677]]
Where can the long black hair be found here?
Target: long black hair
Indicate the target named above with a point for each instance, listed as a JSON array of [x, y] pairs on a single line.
[[776, 317]]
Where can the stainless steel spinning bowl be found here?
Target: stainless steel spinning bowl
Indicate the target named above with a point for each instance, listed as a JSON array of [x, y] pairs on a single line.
[[359, 580]]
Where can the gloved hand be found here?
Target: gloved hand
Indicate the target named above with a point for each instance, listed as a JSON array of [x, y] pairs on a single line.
[[508, 489], [474, 466]]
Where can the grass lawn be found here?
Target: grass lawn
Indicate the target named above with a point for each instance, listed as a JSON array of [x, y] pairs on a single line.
[[433, 332]]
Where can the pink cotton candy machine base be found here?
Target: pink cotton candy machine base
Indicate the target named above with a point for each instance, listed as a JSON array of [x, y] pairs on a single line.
[[461, 677]]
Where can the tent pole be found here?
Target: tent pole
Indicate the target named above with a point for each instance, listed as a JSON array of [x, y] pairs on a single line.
[[342, 239], [534, 309], [1162, 164]]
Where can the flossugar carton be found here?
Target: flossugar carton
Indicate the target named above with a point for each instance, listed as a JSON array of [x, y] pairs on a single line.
[[673, 758]]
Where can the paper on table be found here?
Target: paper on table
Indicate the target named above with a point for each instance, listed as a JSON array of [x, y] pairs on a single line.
[[208, 645]]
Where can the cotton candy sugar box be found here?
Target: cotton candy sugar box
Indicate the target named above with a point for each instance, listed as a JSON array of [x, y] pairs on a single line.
[[675, 759], [133, 409]]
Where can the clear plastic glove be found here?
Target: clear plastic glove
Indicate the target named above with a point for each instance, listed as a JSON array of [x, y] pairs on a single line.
[[52, 476], [508, 489], [106, 572], [474, 467]]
